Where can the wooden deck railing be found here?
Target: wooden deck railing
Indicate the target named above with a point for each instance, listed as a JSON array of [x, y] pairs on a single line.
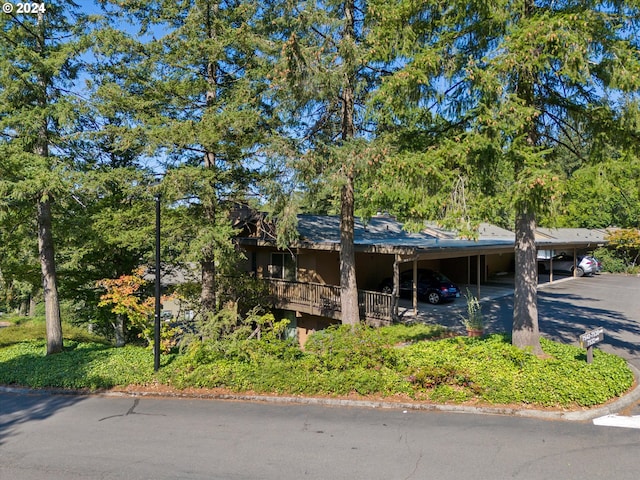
[[324, 300]]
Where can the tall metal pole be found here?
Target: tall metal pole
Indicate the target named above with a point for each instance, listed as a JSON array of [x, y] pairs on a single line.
[[156, 336]]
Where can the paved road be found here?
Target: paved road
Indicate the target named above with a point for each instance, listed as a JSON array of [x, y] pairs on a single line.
[[67, 437]]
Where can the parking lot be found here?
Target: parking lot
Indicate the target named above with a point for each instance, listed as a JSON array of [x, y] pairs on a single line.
[[566, 308]]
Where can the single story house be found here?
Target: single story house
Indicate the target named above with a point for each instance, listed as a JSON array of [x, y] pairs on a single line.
[[304, 279]]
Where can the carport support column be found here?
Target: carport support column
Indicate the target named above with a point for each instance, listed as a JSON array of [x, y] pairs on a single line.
[[478, 277], [575, 261], [415, 287], [396, 285]]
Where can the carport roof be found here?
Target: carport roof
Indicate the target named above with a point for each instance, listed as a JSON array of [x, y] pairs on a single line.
[[384, 234], [570, 235]]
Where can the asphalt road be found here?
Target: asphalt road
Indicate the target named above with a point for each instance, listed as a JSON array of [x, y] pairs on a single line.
[[69, 437]]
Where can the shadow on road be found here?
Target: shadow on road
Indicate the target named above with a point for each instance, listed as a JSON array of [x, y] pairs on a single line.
[[20, 408], [562, 320], [563, 317]]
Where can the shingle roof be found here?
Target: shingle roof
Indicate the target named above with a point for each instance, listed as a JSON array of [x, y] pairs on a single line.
[[571, 235], [384, 230]]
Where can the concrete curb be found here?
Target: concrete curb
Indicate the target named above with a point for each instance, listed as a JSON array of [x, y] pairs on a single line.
[[613, 407]]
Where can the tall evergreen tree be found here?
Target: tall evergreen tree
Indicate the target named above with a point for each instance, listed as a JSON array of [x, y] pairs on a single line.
[[189, 84], [38, 63], [324, 82], [516, 74]]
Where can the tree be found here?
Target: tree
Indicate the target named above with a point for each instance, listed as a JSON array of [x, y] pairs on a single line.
[[324, 81], [38, 63], [190, 84], [516, 76], [626, 242], [604, 194]]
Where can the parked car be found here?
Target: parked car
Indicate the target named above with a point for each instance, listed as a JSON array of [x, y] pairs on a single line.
[[598, 267], [564, 263], [433, 287]]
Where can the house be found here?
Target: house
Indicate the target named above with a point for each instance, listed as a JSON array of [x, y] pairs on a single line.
[[304, 279]]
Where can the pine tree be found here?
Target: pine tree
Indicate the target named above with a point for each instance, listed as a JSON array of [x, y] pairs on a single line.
[[38, 63], [324, 80], [189, 84], [516, 75]]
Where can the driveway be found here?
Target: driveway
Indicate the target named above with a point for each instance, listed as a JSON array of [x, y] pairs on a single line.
[[569, 308], [566, 308]]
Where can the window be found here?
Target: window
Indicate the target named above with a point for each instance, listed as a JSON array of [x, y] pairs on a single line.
[[282, 266]]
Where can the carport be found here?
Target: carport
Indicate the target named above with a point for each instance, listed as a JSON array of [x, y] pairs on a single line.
[[472, 251], [493, 241], [573, 241]]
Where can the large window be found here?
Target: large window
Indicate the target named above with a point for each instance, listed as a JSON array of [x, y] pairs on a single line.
[[282, 266]]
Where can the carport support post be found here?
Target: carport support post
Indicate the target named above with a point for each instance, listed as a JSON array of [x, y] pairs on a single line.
[[415, 287], [575, 261], [396, 285], [478, 277]]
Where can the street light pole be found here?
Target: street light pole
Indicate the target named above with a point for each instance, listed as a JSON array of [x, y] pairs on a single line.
[[156, 336]]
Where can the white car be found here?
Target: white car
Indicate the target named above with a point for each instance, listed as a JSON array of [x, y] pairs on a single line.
[[564, 263]]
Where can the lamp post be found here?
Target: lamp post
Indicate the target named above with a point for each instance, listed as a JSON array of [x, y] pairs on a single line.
[[156, 336]]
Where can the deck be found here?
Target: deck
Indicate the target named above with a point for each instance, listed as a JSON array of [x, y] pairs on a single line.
[[376, 308]]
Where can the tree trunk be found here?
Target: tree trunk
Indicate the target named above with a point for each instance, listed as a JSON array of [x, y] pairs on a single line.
[[208, 289], [32, 305], [208, 263], [44, 222], [525, 302], [525, 332], [118, 331], [49, 280], [23, 309], [348, 283]]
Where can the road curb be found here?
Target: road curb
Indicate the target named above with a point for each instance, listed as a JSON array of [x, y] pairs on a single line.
[[613, 407]]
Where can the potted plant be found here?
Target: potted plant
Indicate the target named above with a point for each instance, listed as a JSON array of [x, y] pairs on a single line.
[[473, 321]]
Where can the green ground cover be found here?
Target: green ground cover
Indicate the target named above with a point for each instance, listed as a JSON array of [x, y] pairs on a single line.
[[416, 362]]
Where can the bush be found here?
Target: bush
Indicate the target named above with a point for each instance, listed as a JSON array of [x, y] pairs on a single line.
[[344, 347], [341, 360], [610, 262]]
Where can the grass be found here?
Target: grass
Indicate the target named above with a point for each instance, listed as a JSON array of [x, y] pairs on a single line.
[[411, 362]]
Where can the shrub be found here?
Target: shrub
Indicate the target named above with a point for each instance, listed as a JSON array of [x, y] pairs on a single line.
[[339, 361], [403, 333], [344, 347], [610, 261]]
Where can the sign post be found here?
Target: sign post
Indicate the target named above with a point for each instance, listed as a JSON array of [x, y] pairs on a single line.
[[589, 339]]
